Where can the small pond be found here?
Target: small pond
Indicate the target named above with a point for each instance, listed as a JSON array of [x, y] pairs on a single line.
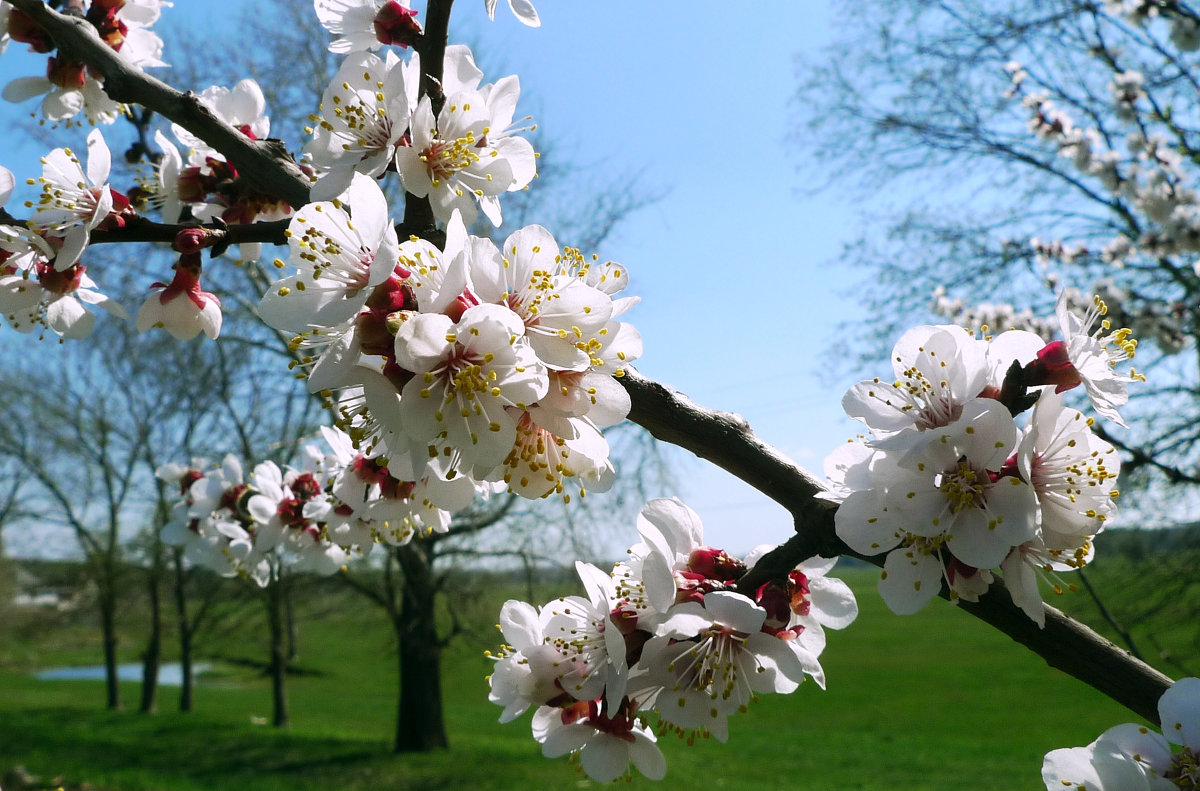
[[169, 674]]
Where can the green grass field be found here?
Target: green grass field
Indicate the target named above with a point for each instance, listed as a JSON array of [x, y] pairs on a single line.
[[933, 701]]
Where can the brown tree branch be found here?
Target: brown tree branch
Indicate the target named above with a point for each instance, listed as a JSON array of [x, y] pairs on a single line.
[[431, 48], [140, 229]]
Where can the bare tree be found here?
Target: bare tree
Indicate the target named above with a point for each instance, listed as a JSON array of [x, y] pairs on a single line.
[[1030, 141], [81, 451], [10, 511]]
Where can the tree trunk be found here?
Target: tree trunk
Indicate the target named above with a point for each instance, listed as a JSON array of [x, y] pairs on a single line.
[[152, 656], [420, 726], [289, 611], [279, 659], [108, 628], [8, 574], [185, 634]]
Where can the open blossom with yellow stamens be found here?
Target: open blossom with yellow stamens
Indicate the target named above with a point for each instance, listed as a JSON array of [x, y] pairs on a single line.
[[711, 658], [665, 632], [385, 498], [1132, 757], [1073, 472], [563, 315], [338, 260], [364, 115], [542, 460], [468, 154], [951, 495], [1089, 357], [466, 375], [948, 488], [74, 201], [936, 371]]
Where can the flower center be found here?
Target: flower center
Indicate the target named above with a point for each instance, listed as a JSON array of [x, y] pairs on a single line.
[[66, 74], [444, 158], [963, 487], [468, 378], [63, 282], [1185, 770], [368, 125]]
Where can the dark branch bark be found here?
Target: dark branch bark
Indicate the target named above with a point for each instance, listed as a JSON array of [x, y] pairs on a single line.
[[418, 213]]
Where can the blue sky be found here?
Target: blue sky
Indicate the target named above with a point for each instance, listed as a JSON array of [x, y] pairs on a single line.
[[736, 264]]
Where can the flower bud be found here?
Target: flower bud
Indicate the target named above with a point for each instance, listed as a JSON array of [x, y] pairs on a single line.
[[715, 564], [193, 240], [395, 24], [1053, 366], [66, 74], [22, 28]]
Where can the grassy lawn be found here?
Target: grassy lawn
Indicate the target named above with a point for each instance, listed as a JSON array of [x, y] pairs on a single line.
[[933, 701]]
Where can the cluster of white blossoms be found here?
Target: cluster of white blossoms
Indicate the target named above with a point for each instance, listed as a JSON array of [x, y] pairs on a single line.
[[43, 281], [951, 488], [1184, 25], [43, 285], [462, 157], [665, 638], [335, 508], [1132, 757], [496, 364], [69, 87]]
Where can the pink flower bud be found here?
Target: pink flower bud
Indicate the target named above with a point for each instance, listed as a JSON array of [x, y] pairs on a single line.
[[1053, 366], [66, 74], [395, 24], [715, 564], [192, 240]]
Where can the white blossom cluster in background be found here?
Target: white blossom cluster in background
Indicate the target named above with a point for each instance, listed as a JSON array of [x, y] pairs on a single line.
[[1184, 30], [664, 639], [1147, 173], [1159, 322], [336, 507], [951, 488], [1131, 757]]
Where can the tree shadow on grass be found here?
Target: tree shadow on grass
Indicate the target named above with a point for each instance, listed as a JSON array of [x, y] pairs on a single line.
[[170, 745]]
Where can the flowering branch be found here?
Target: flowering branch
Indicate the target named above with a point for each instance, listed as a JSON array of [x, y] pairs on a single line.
[[141, 229], [431, 47], [725, 439], [264, 163], [462, 364]]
